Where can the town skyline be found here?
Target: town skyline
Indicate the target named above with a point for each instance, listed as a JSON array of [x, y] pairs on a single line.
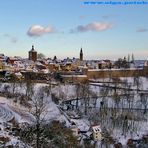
[[61, 28], [80, 55]]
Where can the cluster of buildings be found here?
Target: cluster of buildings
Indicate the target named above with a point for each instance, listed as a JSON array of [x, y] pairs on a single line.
[[45, 65], [68, 68], [35, 64]]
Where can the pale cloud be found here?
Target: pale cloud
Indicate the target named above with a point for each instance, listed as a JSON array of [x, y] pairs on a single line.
[[94, 26], [11, 38], [37, 30], [142, 30]]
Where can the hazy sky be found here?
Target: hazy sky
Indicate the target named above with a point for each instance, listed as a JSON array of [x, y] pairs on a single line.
[[62, 27]]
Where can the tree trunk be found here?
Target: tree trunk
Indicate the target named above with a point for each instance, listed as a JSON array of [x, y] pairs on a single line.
[[38, 135]]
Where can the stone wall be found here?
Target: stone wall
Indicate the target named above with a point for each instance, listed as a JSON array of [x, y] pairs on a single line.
[[94, 74], [106, 73]]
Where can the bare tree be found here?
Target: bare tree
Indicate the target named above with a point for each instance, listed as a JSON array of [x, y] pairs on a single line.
[[34, 132], [14, 83], [77, 90], [6, 88], [85, 96], [39, 103], [29, 89], [138, 82], [41, 56], [144, 101], [38, 110]]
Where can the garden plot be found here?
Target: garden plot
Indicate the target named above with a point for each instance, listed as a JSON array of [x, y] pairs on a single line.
[[10, 111], [5, 113]]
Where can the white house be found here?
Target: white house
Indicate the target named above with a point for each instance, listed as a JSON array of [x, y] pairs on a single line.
[[96, 133]]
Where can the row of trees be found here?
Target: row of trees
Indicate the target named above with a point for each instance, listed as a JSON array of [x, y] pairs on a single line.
[[116, 104], [125, 62]]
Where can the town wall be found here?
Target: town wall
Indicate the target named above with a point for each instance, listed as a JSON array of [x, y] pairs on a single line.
[[105, 73], [94, 74]]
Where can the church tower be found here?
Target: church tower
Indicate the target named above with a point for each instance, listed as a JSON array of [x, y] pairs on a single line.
[[81, 55], [32, 54]]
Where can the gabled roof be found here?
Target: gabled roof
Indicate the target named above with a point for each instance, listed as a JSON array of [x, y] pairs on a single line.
[[96, 128]]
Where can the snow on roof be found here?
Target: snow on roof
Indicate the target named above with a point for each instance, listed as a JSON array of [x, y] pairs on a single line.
[[96, 128], [18, 74], [82, 124], [102, 62], [15, 58]]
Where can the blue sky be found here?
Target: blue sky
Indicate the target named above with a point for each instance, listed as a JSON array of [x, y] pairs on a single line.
[[62, 27]]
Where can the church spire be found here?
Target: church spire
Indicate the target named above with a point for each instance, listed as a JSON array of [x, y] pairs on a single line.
[[81, 55], [32, 47], [32, 54]]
